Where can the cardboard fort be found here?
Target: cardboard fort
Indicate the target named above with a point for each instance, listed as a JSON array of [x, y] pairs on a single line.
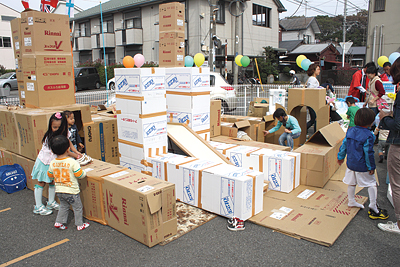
[[307, 97], [232, 140], [319, 155], [259, 107]]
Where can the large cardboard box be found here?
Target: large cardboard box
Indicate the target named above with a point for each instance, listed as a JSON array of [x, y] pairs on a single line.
[[233, 118], [48, 61], [27, 165], [141, 152], [144, 105], [101, 139], [140, 206], [196, 121], [189, 102], [158, 164], [8, 130], [187, 79], [172, 17], [172, 52], [139, 81], [319, 155], [215, 118], [232, 129], [45, 32], [259, 107], [17, 40], [136, 165]]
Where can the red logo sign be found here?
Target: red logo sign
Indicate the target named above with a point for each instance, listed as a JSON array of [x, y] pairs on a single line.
[[55, 87]]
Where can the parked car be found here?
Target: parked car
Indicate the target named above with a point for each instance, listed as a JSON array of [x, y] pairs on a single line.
[[9, 80], [86, 78], [220, 90]]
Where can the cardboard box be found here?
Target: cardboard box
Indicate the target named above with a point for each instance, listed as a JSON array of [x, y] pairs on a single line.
[[141, 105], [319, 155], [135, 165], [259, 127], [231, 191], [195, 121], [92, 189], [233, 118], [45, 32], [8, 130], [196, 103], [187, 79], [48, 61], [205, 134], [81, 112], [259, 107], [48, 87], [139, 81], [232, 130], [140, 206], [171, 35], [140, 152], [172, 17], [101, 139], [215, 118], [307, 213], [172, 52], [17, 40], [158, 164], [231, 140]]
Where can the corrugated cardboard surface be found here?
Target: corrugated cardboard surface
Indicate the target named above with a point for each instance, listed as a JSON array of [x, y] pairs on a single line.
[[230, 140], [215, 118], [171, 17], [310, 213]]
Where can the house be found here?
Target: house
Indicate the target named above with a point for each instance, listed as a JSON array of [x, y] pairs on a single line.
[[290, 45], [6, 45], [131, 27], [355, 56], [303, 28], [61, 6], [383, 26]]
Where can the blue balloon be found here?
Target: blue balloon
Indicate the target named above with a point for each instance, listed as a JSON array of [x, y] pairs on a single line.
[[393, 56], [305, 64], [189, 61]]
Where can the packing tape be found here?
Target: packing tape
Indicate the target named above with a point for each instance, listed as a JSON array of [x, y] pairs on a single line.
[[261, 163], [118, 112], [188, 93], [303, 95], [146, 163], [171, 117], [224, 151], [18, 133], [294, 174], [128, 97], [248, 154], [144, 116], [129, 143], [200, 184], [177, 165], [150, 152], [200, 70], [203, 131], [147, 173], [157, 151], [153, 70], [164, 150], [165, 171]]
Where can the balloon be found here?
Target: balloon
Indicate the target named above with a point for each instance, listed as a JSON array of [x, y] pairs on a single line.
[[299, 59], [245, 61], [199, 59], [128, 62], [393, 56], [305, 64], [139, 60], [382, 60], [238, 58], [189, 61]]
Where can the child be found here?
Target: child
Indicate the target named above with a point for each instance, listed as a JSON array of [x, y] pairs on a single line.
[[74, 138], [65, 171], [351, 111], [358, 145], [57, 126]]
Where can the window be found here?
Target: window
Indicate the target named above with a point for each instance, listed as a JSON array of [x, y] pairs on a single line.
[[108, 25], [380, 5], [7, 18], [307, 39], [84, 29], [261, 16], [220, 14], [5, 41], [133, 20]]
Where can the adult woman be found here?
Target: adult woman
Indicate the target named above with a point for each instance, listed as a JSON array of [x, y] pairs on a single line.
[[375, 88], [312, 82], [393, 163]]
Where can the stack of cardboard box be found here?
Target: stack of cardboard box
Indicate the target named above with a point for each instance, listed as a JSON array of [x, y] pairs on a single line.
[[172, 35], [43, 57], [141, 114], [188, 98]]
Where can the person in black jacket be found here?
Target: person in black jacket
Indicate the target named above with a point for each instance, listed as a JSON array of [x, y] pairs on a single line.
[[392, 123], [74, 137]]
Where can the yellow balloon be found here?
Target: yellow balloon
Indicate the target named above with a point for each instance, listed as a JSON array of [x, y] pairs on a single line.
[[199, 59], [238, 59], [382, 60], [299, 59]]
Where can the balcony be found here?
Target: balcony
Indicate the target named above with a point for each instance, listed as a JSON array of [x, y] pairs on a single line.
[[97, 40], [133, 36], [83, 43]]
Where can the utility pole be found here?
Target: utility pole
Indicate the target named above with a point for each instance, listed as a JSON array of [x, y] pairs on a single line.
[[213, 31], [236, 46], [344, 33]]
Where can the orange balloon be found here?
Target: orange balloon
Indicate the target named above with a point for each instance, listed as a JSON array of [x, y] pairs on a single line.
[[128, 62]]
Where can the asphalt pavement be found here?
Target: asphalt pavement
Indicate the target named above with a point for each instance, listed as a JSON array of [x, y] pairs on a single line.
[[22, 232]]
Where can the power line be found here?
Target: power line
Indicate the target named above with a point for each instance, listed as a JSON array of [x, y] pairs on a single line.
[[297, 9], [312, 8]]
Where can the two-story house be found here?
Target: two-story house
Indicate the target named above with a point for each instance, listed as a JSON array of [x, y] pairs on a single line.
[[6, 45], [383, 27], [131, 27], [302, 28]]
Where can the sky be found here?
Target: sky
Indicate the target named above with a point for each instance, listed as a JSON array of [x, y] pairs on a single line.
[[326, 7]]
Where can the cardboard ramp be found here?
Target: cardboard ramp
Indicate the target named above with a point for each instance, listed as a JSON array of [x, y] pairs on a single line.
[[307, 213], [192, 144]]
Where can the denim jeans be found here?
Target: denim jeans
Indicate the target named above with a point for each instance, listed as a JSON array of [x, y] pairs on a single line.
[[289, 138]]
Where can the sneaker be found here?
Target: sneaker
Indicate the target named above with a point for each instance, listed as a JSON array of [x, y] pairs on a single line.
[[83, 226], [232, 220], [237, 225], [389, 227], [53, 206], [60, 226], [42, 210], [382, 215], [84, 160]]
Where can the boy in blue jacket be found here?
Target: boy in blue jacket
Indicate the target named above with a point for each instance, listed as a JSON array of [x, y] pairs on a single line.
[[358, 145]]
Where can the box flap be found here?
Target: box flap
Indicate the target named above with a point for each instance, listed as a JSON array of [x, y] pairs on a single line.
[[154, 201], [332, 134], [268, 118], [241, 124]]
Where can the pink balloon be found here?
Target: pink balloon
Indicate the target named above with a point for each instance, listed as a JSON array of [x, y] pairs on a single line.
[[139, 60]]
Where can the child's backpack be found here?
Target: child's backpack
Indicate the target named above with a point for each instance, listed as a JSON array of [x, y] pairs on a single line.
[[12, 178]]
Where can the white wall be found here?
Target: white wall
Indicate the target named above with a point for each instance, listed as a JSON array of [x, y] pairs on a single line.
[[7, 53], [298, 35]]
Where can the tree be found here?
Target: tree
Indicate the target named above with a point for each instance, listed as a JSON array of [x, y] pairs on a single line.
[[268, 65]]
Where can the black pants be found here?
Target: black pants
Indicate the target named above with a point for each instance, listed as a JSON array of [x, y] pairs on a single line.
[[313, 116]]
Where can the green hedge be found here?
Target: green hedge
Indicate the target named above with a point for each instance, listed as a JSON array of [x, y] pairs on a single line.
[[4, 70]]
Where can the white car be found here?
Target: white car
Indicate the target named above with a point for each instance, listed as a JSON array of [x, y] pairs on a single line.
[[220, 90]]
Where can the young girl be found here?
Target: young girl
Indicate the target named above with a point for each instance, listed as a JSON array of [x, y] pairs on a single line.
[[359, 147], [73, 130], [57, 126]]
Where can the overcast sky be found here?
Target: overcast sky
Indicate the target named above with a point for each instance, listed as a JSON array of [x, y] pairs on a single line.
[[326, 7]]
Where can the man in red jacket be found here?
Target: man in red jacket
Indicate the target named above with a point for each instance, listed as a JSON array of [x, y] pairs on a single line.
[[359, 83]]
